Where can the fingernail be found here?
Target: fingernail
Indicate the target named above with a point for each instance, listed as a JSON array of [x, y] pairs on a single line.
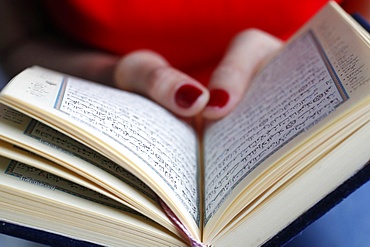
[[186, 95], [218, 98]]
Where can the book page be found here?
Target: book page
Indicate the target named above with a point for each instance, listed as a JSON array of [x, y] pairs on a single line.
[[137, 134], [33, 175], [44, 139], [23, 156], [48, 196], [299, 88], [99, 171]]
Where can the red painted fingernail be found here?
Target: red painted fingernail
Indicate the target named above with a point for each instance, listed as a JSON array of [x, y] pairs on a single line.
[[186, 95], [218, 98]]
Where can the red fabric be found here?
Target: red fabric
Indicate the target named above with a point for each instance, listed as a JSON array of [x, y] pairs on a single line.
[[191, 34]]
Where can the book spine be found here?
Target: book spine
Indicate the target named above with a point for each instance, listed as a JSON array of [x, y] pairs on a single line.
[[192, 241]]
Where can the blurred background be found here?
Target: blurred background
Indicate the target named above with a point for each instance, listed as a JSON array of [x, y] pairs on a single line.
[[347, 224]]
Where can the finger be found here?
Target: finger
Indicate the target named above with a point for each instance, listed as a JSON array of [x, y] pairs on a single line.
[[149, 74], [233, 75]]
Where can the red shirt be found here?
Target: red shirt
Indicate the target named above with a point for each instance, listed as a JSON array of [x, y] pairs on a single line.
[[191, 34]]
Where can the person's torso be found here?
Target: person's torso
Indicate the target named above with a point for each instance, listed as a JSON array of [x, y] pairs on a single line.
[[192, 35]]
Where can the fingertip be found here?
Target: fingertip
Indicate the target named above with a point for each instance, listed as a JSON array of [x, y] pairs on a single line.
[[149, 74], [186, 95], [177, 92], [218, 98], [226, 87], [221, 103], [210, 113], [189, 99]]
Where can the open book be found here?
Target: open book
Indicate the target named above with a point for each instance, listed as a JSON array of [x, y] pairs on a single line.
[[110, 167]]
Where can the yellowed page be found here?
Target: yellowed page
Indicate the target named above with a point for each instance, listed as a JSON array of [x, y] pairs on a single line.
[[21, 155], [320, 76], [298, 195], [132, 131], [52, 169], [37, 199], [100, 171]]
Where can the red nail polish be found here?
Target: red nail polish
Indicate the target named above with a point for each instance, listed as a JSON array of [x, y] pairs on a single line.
[[218, 98], [186, 95]]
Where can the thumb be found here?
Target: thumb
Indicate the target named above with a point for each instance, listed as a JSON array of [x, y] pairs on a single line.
[[147, 73]]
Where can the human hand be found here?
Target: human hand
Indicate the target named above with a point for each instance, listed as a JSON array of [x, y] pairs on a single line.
[[230, 80], [148, 73]]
